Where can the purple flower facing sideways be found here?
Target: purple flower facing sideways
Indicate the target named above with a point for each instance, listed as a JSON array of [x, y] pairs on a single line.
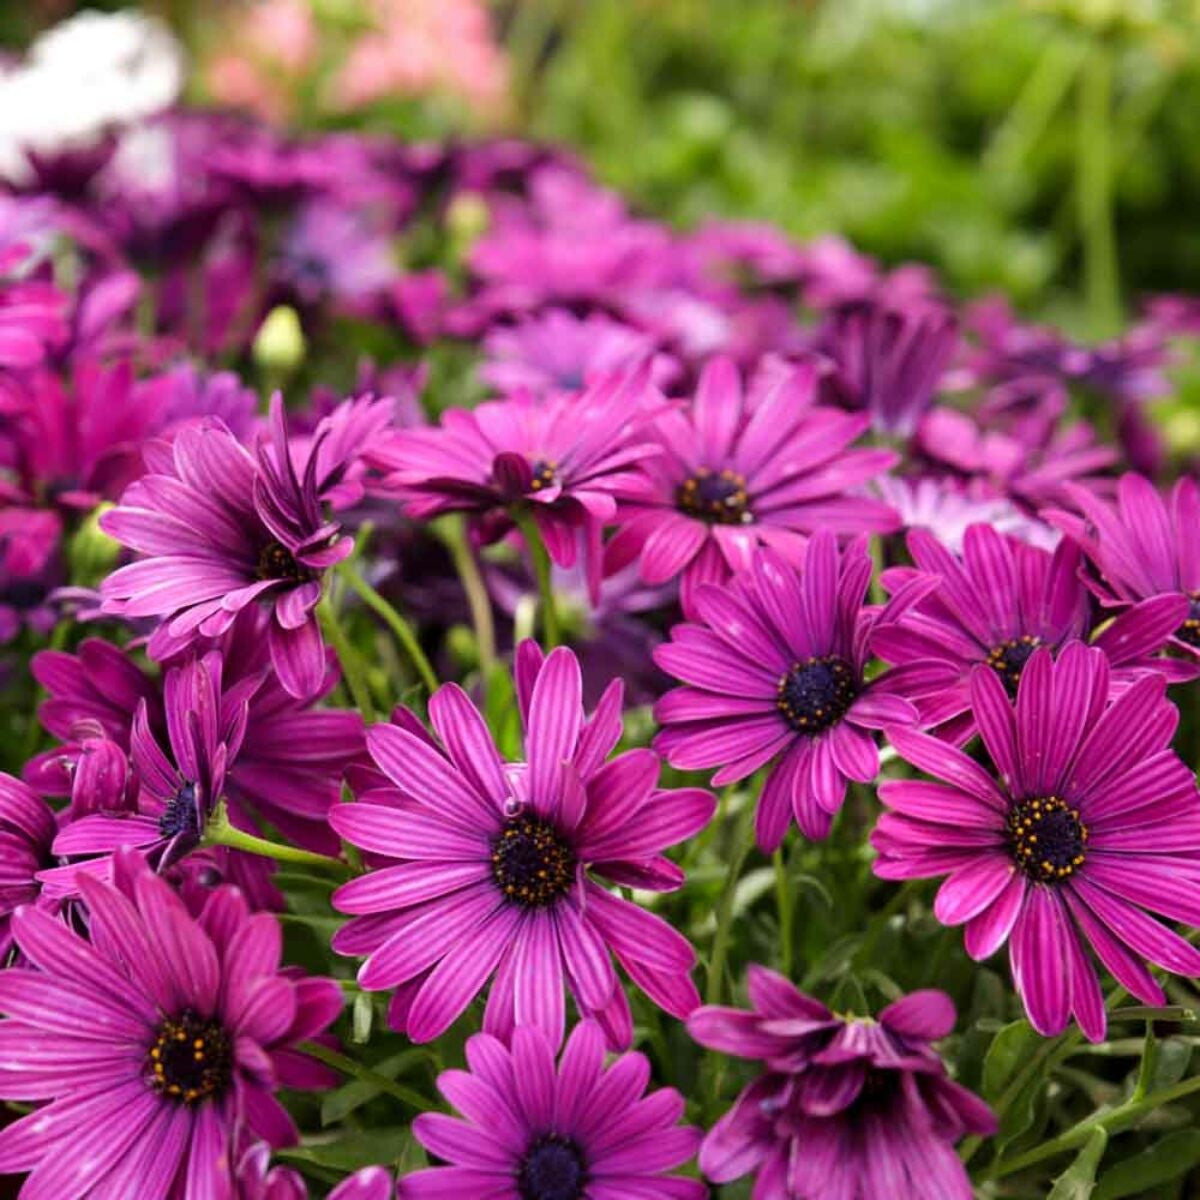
[[995, 606], [221, 529], [537, 1131], [490, 869], [889, 361], [1084, 819], [27, 827], [737, 472], [153, 1045], [1143, 546], [773, 673], [849, 1106], [562, 457], [258, 1180]]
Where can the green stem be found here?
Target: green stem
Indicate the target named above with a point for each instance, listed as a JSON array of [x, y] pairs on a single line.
[[348, 658], [1118, 1119], [551, 630], [1094, 187], [405, 634], [454, 535], [720, 946], [220, 832], [356, 1070], [784, 902]]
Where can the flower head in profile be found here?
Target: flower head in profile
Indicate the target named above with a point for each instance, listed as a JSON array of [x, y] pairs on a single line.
[[27, 827], [773, 673], [171, 1035], [562, 458], [1142, 546], [1082, 823], [503, 871], [994, 606], [846, 1106], [220, 529], [888, 360], [534, 1129], [258, 1180], [556, 351], [738, 472]]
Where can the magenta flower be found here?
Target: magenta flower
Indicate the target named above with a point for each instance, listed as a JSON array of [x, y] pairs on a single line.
[[27, 827], [995, 606], [773, 673], [847, 1106], [258, 1180], [221, 529], [556, 351], [739, 472], [489, 868], [578, 1131], [1085, 819], [563, 457], [30, 567], [170, 1036], [1142, 547], [889, 360]]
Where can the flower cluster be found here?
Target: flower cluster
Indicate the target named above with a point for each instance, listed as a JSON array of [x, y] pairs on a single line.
[[373, 727]]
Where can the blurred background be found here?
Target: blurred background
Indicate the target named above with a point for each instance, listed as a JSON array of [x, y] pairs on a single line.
[[1046, 148]]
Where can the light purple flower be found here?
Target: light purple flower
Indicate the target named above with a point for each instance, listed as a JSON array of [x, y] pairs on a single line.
[[994, 606], [27, 827], [738, 472], [221, 529], [773, 670], [535, 1130], [846, 1106], [154, 1044], [492, 869], [1081, 820]]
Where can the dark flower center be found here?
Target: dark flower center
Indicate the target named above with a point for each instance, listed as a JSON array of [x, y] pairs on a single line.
[[816, 693], [24, 594], [552, 1170], [1189, 631], [1008, 659], [179, 814], [191, 1059], [275, 561], [531, 861], [1046, 838], [719, 497], [572, 380], [545, 474]]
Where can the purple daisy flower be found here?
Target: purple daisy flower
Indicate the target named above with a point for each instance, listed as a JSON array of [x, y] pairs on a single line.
[[773, 673], [741, 471], [27, 828], [489, 868], [258, 1180], [1086, 819], [853, 1107], [995, 606], [540, 1131], [220, 529], [1143, 546], [156, 1043], [563, 457], [889, 361]]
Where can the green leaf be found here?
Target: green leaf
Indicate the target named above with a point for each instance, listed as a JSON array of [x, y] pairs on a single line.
[[1171, 1157], [1174, 1057], [1078, 1181], [1009, 1051], [362, 1017], [344, 1100], [349, 1151]]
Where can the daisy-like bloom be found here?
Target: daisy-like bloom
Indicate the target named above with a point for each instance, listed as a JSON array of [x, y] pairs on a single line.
[[737, 472], [889, 360], [489, 868], [221, 528], [27, 828], [258, 1180], [995, 606], [534, 1130], [1082, 819], [556, 351], [847, 1106], [773, 673], [156, 1043], [562, 457], [1142, 546]]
